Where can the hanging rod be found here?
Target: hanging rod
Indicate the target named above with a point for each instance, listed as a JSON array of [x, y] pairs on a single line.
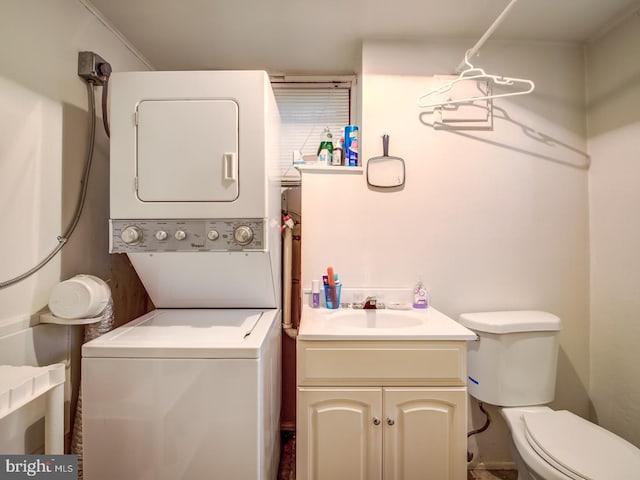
[[473, 50], [466, 71]]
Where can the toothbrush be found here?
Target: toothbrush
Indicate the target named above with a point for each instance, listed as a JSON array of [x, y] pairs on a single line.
[[331, 279], [331, 276]]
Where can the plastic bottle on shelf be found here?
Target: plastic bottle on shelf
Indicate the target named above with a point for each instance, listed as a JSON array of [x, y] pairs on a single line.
[[326, 142], [336, 158]]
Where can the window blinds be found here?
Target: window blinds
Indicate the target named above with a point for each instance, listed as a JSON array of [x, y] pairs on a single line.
[[305, 110]]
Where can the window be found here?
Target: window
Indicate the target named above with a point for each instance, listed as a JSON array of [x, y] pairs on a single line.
[[306, 108]]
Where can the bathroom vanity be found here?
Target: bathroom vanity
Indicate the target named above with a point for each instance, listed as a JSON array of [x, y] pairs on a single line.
[[381, 395]]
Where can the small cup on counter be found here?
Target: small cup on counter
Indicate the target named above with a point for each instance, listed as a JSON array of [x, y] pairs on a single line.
[[332, 295]]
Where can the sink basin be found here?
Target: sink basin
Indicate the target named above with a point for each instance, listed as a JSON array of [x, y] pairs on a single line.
[[374, 319], [384, 324]]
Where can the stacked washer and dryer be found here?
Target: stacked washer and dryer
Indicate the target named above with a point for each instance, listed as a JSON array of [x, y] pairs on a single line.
[[191, 390]]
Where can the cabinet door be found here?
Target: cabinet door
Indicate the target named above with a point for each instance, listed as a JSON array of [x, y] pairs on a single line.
[[424, 433], [339, 434]]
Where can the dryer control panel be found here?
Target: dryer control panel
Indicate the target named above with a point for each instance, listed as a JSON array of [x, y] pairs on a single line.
[[246, 234]]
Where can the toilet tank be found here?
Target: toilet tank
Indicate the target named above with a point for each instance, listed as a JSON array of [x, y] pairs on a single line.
[[513, 362]]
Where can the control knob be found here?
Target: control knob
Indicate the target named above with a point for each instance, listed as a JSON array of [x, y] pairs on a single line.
[[213, 235], [131, 235], [243, 235], [180, 235], [161, 235]]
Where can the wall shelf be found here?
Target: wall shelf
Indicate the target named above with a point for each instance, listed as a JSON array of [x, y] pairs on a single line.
[[330, 169], [48, 317]]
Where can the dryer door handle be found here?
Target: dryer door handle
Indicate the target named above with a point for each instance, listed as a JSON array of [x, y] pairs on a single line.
[[230, 166]]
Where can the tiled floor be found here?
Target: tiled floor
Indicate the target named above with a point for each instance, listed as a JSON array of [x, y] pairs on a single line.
[[288, 464]]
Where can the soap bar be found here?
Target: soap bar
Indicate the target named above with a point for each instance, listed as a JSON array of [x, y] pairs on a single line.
[[399, 306]]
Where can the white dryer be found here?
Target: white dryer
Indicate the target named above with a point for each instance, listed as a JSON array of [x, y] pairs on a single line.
[[195, 188], [191, 390]]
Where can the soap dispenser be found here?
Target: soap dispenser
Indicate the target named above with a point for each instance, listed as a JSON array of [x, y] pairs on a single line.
[[420, 295]]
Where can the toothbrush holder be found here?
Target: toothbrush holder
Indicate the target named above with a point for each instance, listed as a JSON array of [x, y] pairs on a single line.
[[332, 295]]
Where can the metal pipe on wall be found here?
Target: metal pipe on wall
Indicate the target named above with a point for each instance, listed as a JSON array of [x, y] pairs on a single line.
[[287, 265], [94, 330]]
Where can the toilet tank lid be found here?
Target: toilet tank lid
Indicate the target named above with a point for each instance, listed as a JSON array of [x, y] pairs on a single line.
[[511, 321]]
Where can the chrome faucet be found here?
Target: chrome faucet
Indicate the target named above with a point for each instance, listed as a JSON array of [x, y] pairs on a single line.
[[370, 303]]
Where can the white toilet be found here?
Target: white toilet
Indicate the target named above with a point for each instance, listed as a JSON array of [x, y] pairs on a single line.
[[513, 365]]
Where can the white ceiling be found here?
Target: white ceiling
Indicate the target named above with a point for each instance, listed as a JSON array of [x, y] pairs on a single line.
[[325, 36]]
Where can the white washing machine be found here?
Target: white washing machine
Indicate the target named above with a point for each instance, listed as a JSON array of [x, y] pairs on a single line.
[[192, 389], [184, 394]]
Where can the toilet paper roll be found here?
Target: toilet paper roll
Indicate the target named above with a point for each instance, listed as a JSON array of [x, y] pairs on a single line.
[[83, 296]]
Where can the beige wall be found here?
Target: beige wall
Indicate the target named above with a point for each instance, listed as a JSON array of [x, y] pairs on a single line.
[[491, 220], [613, 76], [43, 143]]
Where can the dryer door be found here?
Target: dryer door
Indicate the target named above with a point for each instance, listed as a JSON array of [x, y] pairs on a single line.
[[187, 150]]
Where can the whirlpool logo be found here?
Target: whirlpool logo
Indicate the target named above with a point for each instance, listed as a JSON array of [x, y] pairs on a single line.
[[49, 467]]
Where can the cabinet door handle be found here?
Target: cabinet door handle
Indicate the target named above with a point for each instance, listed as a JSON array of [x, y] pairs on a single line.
[[376, 421], [390, 421]]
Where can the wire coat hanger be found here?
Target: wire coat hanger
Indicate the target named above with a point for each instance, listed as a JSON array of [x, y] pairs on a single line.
[[476, 73]]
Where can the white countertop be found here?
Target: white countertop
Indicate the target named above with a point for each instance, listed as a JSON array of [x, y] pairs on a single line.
[[384, 324]]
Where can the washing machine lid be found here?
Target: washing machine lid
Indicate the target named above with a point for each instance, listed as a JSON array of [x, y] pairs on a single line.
[[580, 449], [187, 333]]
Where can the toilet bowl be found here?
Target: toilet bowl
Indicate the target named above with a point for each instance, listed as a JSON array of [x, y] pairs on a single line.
[[513, 366]]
